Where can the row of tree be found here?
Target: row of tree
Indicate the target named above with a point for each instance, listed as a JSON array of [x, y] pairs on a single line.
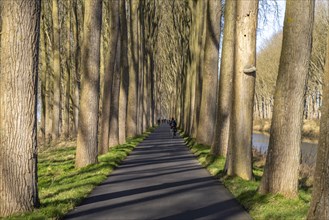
[[125, 63], [200, 97], [97, 83], [268, 59]]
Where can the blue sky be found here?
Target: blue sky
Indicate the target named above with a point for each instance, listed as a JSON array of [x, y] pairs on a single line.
[[270, 20]]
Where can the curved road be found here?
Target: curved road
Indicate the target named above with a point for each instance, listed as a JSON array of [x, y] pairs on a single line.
[[160, 179]]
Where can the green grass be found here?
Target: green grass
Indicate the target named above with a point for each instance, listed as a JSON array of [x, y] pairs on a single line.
[[62, 187], [259, 206]]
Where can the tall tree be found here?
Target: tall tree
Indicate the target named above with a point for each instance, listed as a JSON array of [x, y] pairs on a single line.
[[319, 208], [225, 82], [140, 41], [43, 75], [18, 101], [282, 161], [108, 75], [201, 31], [76, 75], [67, 77], [239, 160], [206, 125], [115, 96], [124, 73], [57, 71], [87, 149], [131, 128], [49, 75]]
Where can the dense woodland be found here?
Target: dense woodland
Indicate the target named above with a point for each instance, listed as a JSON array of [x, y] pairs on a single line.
[[100, 71]]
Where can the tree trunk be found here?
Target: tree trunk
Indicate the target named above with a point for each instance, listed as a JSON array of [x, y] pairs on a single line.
[[115, 94], [224, 104], [18, 101], [239, 161], [319, 208], [124, 74], [140, 73], [57, 72], [108, 77], [206, 124], [282, 163], [76, 78], [201, 7], [88, 115], [67, 78], [43, 76], [131, 129]]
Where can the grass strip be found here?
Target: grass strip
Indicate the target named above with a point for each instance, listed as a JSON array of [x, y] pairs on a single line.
[[62, 187], [259, 206]]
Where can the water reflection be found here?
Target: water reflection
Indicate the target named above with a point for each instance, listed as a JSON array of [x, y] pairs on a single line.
[[260, 143]]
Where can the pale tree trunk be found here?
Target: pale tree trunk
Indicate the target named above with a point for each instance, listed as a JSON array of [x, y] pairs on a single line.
[[49, 99], [239, 159], [108, 77], [67, 77], [140, 75], [43, 75], [146, 92], [57, 72], [88, 115], [131, 128], [18, 101], [141, 70], [319, 208], [206, 124], [282, 161], [187, 99], [188, 93], [193, 66], [152, 88], [201, 6], [148, 86], [49, 78], [222, 130], [76, 77], [124, 74], [114, 109]]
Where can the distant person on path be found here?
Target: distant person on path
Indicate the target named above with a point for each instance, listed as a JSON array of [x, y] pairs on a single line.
[[173, 126]]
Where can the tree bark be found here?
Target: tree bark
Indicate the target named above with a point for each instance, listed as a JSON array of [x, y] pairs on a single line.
[[131, 128], [87, 149], [319, 208], [282, 161], [239, 161], [67, 78], [140, 72], [206, 124], [18, 101], [225, 83], [43, 76], [57, 72], [114, 110], [124, 74], [201, 33], [76, 78], [108, 77]]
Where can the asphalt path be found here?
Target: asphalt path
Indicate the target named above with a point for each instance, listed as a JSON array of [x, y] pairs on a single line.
[[160, 179]]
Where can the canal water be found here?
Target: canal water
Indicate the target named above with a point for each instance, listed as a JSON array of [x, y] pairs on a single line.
[[308, 149]]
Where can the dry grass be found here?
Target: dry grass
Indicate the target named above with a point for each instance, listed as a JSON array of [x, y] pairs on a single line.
[[311, 128]]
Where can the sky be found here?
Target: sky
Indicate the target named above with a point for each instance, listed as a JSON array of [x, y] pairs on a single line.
[[270, 21]]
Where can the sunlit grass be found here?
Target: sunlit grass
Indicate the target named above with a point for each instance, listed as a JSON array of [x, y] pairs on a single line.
[[62, 187], [259, 206]]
